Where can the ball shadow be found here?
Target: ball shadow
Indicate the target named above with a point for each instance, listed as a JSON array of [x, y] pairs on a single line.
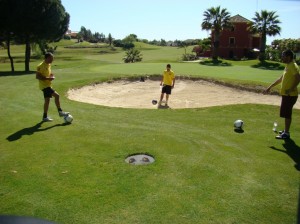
[[238, 130]]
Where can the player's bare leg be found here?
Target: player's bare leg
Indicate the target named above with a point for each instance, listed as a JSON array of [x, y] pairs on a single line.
[[57, 103], [56, 97], [287, 122], [167, 98], [161, 98], [46, 107]]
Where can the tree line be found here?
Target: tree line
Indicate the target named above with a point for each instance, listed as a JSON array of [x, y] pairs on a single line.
[[86, 35], [216, 19], [42, 21], [31, 21], [274, 51]]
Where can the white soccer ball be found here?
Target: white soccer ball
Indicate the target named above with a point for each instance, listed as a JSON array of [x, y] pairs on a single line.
[[238, 124], [68, 118]]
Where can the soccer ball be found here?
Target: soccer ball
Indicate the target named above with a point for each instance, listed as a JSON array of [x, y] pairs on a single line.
[[68, 118], [154, 102], [238, 124]]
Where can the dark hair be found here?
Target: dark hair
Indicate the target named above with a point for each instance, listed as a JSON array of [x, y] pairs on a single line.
[[288, 53], [168, 66], [48, 54]]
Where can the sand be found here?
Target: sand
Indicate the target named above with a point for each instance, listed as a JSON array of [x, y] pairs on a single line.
[[186, 94]]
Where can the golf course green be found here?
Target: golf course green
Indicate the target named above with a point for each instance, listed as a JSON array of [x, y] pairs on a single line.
[[204, 171]]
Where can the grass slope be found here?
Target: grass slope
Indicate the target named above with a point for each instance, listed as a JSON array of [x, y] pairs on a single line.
[[204, 171]]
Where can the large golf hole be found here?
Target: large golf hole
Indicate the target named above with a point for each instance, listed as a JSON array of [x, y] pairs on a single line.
[[139, 159]]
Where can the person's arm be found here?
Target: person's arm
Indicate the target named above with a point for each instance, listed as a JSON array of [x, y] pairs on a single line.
[[162, 79], [173, 83], [273, 84], [39, 76]]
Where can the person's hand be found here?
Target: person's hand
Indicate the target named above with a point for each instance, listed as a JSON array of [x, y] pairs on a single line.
[[52, 77]]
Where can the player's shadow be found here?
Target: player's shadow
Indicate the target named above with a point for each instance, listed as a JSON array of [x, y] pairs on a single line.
[[163, 107], [31, 130], [292, 150]]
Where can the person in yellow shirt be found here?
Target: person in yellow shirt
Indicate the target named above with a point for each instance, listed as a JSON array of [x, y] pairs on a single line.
[[168, 83], [45, 77], [289, 93]]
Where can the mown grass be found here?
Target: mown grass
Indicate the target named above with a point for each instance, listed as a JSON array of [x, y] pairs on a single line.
[[204, 171]]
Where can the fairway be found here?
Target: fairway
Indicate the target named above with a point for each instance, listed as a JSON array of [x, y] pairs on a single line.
[[204, 171]]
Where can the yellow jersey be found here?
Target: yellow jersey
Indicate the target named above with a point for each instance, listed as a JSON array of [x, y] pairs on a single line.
[[289, 77], [45, 70], [168, 77]]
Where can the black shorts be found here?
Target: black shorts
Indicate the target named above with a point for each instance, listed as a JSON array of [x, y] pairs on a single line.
[[287, 103], [48, 92], [166, 89]]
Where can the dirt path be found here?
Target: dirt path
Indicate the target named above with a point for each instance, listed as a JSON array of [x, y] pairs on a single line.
[[186, 94]]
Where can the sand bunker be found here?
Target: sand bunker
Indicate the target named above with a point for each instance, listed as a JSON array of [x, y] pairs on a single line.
[[186, 94]]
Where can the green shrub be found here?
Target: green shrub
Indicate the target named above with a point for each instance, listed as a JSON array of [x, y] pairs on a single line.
[[189, 57]]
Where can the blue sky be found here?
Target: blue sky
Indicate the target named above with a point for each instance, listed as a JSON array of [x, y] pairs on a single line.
[[172, 19]]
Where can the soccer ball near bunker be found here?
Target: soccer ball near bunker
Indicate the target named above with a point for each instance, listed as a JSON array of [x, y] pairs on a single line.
[[238, 124], [68, 118]]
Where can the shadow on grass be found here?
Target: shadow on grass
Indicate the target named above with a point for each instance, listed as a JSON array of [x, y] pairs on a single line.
[[31, 130], [298, 215], [268, 65], [239, 130], [292, 150], [215, 63], [18, 73]]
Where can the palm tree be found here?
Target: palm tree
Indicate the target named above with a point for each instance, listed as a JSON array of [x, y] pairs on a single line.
[[265, 23], [132, 55], [216, 19]]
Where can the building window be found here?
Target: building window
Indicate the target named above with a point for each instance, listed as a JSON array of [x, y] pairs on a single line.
[[231, 40], [232, 29]]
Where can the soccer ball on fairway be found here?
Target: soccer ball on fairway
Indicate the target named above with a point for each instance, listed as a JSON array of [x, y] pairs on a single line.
[[238, 124], [68, 118]]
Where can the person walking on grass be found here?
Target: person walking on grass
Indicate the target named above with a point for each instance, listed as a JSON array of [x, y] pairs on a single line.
[[289, 93], [45, 77], [168, 82]]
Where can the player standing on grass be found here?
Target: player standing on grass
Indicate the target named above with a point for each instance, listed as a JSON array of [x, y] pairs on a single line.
[[289, 92], [45, 77], [168, 82]]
